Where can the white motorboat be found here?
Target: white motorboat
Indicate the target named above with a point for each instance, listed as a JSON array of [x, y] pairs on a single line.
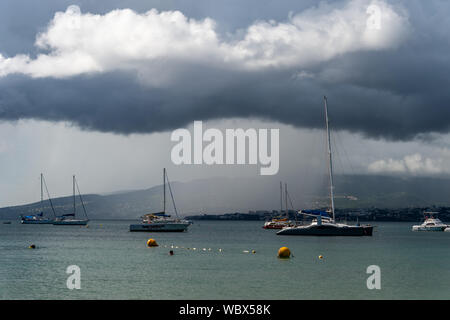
[[323, 224], [161, 222], [431, 223]]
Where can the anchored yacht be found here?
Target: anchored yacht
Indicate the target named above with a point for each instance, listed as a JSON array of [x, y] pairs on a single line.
[[160, 221], [69, 219], [280, 222], [39, 218], [431, 224], [323, 224]]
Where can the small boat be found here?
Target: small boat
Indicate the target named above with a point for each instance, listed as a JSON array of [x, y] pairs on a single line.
[[69, 219], [39, 218], [160, 221], [279, 222], [6, 222], [323, 224], [431, 223]]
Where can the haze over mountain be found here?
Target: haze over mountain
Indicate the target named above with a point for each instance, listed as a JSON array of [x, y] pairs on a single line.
[[95, 88], [223, 195]]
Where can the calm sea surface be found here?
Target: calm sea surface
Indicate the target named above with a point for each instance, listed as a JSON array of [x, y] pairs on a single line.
[[116, 264]]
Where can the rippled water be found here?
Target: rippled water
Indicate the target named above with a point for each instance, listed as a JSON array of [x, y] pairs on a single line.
[[116, 264]]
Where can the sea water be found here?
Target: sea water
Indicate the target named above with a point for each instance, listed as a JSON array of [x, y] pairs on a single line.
[[116, 264]]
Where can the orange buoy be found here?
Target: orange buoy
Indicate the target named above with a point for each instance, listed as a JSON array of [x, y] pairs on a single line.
[[151, 243], [284, 253]]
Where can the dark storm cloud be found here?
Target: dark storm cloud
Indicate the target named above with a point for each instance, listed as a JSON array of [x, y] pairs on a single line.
[[393, 94]]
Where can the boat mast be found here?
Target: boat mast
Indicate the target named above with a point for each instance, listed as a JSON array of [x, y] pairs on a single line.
[[42, 196], [286, 199], [164, 183], [281, 198], [81, 198], [330, 165], [73, 183]]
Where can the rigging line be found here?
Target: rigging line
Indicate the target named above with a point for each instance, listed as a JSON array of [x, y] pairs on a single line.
[[292, 205], [81, 199], [290, 201], [337, 153], [48, 194], [340, 140], [171, 195]]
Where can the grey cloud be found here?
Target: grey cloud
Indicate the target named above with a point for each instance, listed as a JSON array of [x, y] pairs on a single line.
[[396, 94]]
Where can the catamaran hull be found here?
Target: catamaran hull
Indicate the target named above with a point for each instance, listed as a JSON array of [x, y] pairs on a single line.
[[349, 231], [36, 221], [71, 223], [169, 227]]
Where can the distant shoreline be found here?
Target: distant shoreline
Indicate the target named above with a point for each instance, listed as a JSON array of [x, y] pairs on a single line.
[[365, 214]]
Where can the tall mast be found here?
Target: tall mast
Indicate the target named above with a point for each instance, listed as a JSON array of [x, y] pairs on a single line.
[[286, 199], [73, 183], [164, 183], [281, 198], [42, 196], [330, 166]]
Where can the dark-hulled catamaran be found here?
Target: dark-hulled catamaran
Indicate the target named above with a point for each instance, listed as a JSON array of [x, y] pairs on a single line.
[[323, 224]]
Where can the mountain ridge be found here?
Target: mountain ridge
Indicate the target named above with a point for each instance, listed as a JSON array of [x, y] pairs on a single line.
[[225, 194]]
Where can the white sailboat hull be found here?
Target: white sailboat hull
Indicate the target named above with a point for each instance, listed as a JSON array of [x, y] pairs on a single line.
[[160, 227], [43, 221], [71, 223]]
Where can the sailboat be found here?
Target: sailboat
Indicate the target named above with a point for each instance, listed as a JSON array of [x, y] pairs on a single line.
[[69, 219], [39, 218], [280, 222], [160, 221], [324, 222]]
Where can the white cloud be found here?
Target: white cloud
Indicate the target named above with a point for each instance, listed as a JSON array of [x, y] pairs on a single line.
[[77, 43], [414, 164]]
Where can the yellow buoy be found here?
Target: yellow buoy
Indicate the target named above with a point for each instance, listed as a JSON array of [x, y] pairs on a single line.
[[32, 246], [284, 253], [253, 251], [151, 243], [321, 257]]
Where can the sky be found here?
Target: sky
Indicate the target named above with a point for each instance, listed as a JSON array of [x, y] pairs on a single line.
[[95, 88]]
